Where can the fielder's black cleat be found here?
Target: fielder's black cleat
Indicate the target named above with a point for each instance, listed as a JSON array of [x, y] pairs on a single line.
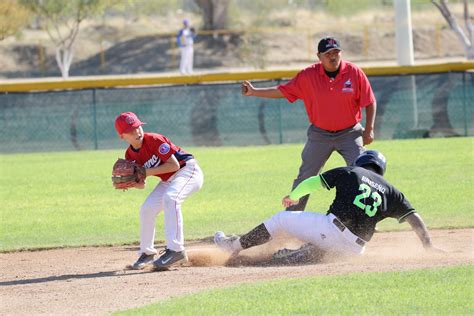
[[169, 258], [142, 261]]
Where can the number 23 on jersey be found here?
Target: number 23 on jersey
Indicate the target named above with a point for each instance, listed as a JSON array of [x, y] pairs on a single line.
[[370, 210]]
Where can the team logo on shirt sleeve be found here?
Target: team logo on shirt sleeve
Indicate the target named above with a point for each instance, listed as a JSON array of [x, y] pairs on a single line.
[[164, 148], [348, 87]]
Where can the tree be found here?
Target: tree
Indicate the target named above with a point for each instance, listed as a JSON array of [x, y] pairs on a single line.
[[467, 38], [214, 13], [61, 19], [13, 18]]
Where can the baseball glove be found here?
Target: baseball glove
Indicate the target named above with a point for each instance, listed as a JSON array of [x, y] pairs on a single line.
[[127, 174]]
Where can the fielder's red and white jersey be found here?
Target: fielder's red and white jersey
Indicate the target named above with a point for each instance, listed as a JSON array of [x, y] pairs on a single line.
[[331, 104], [157, 149]]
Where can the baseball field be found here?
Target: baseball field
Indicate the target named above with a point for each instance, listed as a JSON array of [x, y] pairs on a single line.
[[67, 237]]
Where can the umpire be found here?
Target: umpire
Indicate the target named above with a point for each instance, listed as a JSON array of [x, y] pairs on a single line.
[[333, 91]]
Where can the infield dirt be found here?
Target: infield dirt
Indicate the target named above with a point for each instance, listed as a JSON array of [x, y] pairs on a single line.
[[95, 281]]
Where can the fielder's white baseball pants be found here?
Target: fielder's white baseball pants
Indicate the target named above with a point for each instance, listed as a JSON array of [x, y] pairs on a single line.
[[168, 196], [187, 59], [314, 228]]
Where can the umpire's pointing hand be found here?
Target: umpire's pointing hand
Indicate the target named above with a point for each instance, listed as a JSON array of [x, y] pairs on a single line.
[[247, 88]]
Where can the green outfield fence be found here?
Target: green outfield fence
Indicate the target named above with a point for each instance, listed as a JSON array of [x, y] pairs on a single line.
[[428, 101]]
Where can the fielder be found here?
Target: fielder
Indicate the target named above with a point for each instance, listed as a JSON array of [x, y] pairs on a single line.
[[363, 198], [155, 155], [185, 41]]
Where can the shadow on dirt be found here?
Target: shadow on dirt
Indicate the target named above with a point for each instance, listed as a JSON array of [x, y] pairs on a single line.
[[67, 277]]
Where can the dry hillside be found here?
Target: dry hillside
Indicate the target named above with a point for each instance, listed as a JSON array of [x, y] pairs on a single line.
[[286, 39]]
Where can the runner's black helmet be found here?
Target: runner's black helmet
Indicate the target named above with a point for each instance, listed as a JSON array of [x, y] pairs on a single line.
[[373, 158]]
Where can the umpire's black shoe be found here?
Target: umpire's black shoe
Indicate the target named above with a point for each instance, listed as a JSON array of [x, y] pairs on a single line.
[[170, 258], [142, 261]]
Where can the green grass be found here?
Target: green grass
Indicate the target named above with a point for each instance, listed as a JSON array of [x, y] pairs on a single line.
[[66, 199], [446, 291]]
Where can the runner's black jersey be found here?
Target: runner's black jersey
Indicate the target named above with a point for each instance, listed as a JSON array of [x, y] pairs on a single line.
[[364, 198]]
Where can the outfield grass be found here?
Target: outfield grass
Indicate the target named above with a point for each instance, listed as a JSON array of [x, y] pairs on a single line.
[[446, 291], [66, 199]]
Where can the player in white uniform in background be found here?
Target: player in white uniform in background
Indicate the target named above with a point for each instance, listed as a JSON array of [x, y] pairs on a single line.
[[363, 198], [185, 41]]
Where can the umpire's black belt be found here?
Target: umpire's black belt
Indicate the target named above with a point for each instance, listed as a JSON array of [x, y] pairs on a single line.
[[341, 130], [342, 227]]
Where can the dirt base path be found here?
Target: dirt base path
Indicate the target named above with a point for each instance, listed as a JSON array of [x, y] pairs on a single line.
[[95, 280]]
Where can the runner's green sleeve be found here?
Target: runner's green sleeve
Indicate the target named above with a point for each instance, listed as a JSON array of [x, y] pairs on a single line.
[[307, 186]]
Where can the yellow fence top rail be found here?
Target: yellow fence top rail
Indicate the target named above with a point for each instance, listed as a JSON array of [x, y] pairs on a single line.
[[77, 83]]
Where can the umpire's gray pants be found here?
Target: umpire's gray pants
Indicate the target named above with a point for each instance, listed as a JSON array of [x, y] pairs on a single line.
[[319, 147]]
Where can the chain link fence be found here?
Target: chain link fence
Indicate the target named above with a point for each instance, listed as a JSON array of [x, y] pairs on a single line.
[[411, 106]]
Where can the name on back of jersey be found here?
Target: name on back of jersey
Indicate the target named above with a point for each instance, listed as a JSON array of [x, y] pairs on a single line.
[[374, 184]]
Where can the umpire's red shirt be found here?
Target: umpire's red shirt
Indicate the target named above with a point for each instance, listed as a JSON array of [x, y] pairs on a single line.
[[331, 105]]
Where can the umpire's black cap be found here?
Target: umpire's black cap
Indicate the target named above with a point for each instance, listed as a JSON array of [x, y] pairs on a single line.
[[373, 158], [327, 44]]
